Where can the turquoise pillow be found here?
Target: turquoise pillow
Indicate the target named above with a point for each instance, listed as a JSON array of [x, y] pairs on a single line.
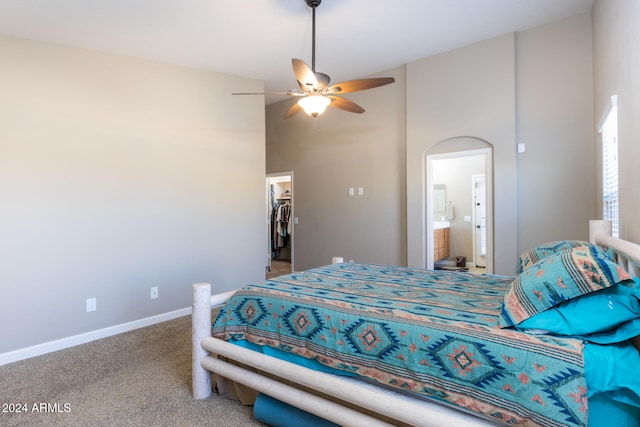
[[545, 250], [593, 313], [624, 332], [561, 277], [613, 369], [607, 411]]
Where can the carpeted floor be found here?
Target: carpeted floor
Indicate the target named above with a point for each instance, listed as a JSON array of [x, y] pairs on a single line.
[[139, 378]]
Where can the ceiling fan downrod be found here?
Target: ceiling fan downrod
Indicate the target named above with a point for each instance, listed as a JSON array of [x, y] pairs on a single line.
[[313, 4]]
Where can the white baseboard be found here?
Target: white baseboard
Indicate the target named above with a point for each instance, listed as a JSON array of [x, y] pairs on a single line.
[[51, 346]]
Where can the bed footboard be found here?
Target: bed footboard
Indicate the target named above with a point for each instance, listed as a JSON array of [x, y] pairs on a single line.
[[203, 301], [352, 402], [200, 328]]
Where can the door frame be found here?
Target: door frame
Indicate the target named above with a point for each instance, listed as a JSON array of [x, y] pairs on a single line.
[[429, 159], [475, 221], [269, 178]]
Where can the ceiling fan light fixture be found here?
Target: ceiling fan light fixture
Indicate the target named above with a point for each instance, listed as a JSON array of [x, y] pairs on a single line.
[[314, 105]]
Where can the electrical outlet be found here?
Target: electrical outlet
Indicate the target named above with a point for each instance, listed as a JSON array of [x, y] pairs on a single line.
[[91, 304], [154, 292]]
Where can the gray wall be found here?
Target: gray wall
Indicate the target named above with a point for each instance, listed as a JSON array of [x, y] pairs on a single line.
[[339, 151], [556, 174], [616, 59], [467, 92], [117, 175], [534, 87]]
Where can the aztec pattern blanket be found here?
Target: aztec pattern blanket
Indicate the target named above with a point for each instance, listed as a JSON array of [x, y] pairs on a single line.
[[431, 333]]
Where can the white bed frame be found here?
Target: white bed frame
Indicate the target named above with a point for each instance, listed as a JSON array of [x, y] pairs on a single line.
[[372, 399]]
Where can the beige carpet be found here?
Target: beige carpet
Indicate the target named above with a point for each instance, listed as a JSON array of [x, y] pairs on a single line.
[[140, 378]]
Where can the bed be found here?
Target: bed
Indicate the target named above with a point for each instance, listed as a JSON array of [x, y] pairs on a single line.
[[383, 345]]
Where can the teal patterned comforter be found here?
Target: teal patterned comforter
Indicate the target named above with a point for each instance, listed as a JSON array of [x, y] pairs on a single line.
[[431, 333]]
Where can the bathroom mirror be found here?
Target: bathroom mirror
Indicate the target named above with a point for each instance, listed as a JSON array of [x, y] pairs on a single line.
[[439, 201]]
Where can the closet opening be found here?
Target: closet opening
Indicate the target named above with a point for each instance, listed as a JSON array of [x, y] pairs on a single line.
[[280, 224]]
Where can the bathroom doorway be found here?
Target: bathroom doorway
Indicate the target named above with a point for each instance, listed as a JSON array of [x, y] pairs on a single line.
[[461, 181]]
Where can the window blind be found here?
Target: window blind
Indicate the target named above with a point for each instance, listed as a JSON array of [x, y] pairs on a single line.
[[609, 131]]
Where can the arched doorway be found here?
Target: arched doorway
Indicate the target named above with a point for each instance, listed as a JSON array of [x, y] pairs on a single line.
[[459, 199]]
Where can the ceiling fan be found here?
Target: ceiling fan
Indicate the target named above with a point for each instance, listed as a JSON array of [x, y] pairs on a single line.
[[316, 94]]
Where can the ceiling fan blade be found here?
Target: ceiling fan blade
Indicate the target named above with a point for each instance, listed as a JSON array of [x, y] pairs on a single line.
[[345, 104], [305, 76], [291, 111], [361, 84]]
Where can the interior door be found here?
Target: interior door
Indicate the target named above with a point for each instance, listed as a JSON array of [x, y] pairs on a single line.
[[480, 220]]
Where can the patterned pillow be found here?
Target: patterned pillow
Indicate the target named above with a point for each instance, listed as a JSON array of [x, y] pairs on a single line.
[[546, 250], [559, 278]]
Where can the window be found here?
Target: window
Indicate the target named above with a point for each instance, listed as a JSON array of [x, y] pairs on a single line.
[[609, 131]]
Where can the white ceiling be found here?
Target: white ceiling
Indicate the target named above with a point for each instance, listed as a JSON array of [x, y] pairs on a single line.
[[258, 38]]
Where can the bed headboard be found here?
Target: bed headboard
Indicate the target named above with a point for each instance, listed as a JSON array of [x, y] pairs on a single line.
[[627, 254]]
